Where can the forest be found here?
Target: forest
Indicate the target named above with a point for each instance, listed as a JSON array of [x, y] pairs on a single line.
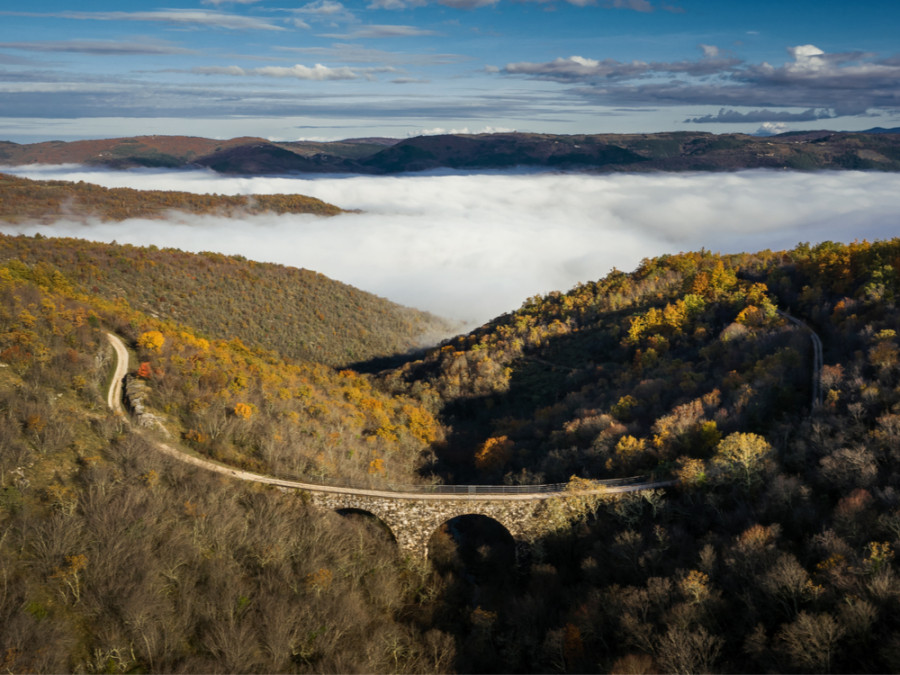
[[775, 551]]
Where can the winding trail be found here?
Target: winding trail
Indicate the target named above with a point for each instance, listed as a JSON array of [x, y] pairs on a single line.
[[417, 492], [114, 396]]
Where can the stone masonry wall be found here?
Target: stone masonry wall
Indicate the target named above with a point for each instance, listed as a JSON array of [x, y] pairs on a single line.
[[413, 521]]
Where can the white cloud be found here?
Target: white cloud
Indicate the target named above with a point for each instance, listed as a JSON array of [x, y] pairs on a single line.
[[806, 58], [849, 83], [395, 4], [102, 47], [583, 69], [322, 8], [575, 68], [468, 4], [184, 17], [771, 128], [474, 246], [301, 72], [217, 3], [710, 51], [440, 131], [381, 31], [318, 72]]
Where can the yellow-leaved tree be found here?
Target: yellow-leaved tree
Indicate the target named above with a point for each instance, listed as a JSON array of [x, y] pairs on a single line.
[[151, 340], [493, 453]]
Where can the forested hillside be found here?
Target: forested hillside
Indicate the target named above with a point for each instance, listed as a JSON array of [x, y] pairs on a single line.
[[113, 559], [298, 313], [23, 201], [776, 552], [873, 150], [625, 374]]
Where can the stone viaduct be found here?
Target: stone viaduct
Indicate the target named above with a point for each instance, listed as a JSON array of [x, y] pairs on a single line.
[[413, 513], [528, 512]]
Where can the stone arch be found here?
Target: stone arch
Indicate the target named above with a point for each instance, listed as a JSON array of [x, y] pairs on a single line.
[[514, 517], [368, 515], [413, 520], [473, 522]]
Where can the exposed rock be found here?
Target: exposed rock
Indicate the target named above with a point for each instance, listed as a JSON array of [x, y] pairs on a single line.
[[136, 394]]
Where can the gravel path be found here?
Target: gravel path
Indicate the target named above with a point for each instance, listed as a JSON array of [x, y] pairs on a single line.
[[468, 493]]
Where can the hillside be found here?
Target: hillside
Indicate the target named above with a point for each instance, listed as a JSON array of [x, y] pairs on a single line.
[[113, 559], [776, 552], [23, 200], [669, 151], [164, 151], [298, 313]]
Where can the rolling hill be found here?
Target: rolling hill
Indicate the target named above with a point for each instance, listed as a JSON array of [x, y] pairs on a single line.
[[670, 151], [298, 313], [23, 200]]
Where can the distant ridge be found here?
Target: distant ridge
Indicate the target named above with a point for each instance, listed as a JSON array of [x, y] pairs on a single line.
[[875, 150]]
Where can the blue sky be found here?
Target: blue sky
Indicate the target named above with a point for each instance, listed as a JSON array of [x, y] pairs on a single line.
[[330, 69]]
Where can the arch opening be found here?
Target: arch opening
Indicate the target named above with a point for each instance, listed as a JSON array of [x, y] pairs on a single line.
[[370, 522], [475, 546]]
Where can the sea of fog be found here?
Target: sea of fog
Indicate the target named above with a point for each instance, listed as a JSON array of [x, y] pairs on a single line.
[[472, 246]]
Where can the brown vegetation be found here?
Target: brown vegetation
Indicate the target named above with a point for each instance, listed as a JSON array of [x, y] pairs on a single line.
[[776, 553], [113, 559], [298, 313], [23, 200]]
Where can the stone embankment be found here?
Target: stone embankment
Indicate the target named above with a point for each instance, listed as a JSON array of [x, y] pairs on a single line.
[[135, 393]]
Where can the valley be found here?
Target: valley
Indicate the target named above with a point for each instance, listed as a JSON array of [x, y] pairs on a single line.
[[763, 537]]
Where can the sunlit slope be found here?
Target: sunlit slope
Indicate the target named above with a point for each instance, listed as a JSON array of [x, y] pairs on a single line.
[[23, 200], [113, 558], [298, 313], [222, 397], [645, 371]]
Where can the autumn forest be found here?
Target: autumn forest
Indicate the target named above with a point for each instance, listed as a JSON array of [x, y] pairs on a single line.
[[775, 549]]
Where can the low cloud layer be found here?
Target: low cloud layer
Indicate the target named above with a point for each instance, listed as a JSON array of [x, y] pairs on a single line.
[[300, 72], [471, 247]]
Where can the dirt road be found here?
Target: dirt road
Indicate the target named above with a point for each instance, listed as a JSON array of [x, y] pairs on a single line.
[[461, 493]]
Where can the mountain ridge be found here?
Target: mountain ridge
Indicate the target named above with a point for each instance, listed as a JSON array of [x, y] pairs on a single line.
[[876, 149]]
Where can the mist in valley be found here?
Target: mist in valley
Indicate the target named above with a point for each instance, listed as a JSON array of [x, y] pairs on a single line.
[[472, 246]]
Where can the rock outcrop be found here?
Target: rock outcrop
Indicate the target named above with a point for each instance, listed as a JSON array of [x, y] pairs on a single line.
[[136, 394]]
